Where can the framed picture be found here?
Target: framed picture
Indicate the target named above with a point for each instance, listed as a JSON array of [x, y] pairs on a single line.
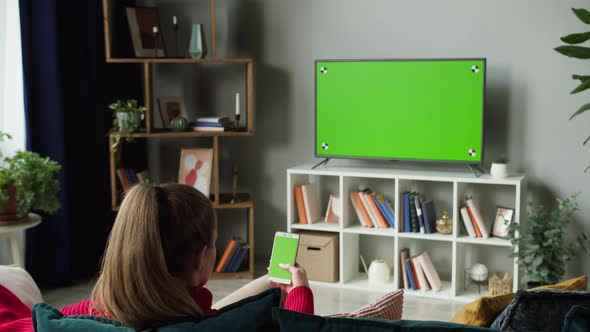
[[195, 169], [171, 107], [142, 22], [504, 217]]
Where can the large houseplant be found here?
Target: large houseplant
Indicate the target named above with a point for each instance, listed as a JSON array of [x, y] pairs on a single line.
[[27, 183], [579, 52], [543, 252], [127, 118]]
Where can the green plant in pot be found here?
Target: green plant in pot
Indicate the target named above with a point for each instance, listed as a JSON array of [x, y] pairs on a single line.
[[499, 167], [543, 253], [127, 117], [27, 183]]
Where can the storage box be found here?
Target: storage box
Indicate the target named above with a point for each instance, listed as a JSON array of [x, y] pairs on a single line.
[[318, 255]]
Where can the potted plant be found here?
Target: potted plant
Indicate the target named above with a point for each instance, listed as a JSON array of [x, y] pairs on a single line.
[[541, 249], [127, 118], [499, 168], [27, 183]]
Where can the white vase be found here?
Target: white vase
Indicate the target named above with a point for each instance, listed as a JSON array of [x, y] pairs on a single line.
[[499, 171], [379, 272]]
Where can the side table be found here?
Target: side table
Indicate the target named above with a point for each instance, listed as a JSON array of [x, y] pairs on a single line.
[[12, 230]]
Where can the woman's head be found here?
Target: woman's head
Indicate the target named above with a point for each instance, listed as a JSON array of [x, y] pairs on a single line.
[[163, 241]]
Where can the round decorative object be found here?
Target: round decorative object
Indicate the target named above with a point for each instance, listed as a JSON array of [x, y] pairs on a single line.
[[379, 272], [479, 272], [444, 225], [499, 171], [179, 123]]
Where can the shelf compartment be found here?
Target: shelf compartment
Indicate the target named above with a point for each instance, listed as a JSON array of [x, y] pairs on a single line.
[[440, 192], [384, 187], [325, 186], [369, 247], [440, 252], [171, 134]]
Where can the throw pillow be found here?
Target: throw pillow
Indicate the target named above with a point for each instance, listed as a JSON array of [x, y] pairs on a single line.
[[21, 284], [577, 320], [390, 307], [290, 321], [250, 314], [539, 310], [484, 310]]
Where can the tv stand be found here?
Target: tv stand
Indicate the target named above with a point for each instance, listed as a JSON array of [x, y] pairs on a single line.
[[476, 170], [323, 162]]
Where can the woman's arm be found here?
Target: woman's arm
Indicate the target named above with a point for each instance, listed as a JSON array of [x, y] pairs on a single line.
[[80, 308], [300, 299]]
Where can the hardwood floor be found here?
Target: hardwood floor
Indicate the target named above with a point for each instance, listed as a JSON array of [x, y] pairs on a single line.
[[328, 300]]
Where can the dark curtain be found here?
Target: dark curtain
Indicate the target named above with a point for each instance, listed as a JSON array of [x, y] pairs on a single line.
[[68, 86]]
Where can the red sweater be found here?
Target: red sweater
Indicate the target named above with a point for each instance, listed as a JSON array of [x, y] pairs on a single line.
[[15, 316]]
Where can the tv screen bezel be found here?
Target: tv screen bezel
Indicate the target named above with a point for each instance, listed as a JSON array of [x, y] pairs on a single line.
[[315, 91]]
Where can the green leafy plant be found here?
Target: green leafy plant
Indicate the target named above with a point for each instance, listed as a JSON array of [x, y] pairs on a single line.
[[127, 117], [542, 251], [579, 52], [502, 159], [33, 178]]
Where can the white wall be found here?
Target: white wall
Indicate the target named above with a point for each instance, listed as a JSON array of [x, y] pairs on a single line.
[[528, 84]]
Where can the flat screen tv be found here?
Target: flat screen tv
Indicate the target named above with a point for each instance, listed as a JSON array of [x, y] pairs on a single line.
[[417, 109]]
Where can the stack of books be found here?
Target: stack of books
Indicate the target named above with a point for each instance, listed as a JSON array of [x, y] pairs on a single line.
[[212, 124], [233, 257], [372, 209], [472, 220], [128, 177], [308, 206], [419, 215], [418, 272]]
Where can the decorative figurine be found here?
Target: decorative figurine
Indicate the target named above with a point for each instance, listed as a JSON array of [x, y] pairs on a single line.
[[444, 225]]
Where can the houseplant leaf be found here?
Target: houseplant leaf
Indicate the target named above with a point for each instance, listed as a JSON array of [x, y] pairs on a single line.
[[582, 14], [576, 38], [581, 110], [579, 52], [582, 78], [583, 86]]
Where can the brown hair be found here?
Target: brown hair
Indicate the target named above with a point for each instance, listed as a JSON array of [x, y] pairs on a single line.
[[148, 261]]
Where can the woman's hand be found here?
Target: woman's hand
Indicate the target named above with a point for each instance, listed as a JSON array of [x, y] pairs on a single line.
[[298, 277]]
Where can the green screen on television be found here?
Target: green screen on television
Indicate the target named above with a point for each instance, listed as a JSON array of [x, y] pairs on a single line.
[[400, 109]]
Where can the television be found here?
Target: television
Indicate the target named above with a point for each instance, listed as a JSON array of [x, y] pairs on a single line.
[[404, 109]]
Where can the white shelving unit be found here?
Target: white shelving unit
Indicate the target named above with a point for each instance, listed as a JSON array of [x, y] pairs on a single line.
[[451, 254]]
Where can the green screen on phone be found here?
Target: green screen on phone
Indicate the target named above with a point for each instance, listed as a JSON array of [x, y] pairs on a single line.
[[284, 252]]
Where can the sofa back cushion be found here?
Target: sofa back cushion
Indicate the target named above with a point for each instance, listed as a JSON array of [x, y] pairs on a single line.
[[577, 319], [250, 314]]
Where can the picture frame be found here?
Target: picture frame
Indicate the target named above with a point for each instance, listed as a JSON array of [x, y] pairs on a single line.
[[499, 226], [142, 21], [171, 107], [195, 169]]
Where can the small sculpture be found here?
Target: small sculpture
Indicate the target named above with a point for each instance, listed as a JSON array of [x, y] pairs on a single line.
[[444, 225]]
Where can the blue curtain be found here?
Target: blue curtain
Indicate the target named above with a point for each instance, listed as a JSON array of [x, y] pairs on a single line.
[[67, 88]]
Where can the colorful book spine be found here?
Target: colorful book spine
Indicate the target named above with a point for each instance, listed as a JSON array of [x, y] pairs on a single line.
[[429, 271], [131, 177], [312, 207], [429, 212], [407, 221], [420, 275], [473, 223], [300, 205], [122, 178], [375, 207], [364, 213], [391, 212], [228, 250], [206, 124], [404, 253], [414, 275], [369, 209], [232, 258], [356, 209], [384, 210], [413, 215], [467, 222], [409, 273], [240, 259], [419, 213], [478, 219]]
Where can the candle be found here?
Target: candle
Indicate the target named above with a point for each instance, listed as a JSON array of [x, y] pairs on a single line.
[[237, 103], [155, 30], [174, 21]]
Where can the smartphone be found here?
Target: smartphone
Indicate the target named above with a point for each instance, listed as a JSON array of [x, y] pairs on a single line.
[[284, 251]]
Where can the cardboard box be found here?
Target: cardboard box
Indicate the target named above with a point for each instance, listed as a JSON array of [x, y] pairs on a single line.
[[318, 255]]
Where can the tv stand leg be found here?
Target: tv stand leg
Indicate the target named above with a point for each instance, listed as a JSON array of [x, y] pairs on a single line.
[[323, 162], [476, 170]]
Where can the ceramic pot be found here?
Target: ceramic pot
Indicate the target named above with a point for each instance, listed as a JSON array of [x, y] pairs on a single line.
[[499, 171], [9, 209], [379, 272], [126, 118]]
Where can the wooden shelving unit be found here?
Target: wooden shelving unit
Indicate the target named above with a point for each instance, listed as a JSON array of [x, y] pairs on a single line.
[[150, 132]]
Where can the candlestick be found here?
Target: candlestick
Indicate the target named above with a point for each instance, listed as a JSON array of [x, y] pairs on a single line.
[[174, 21], [175, 24], [237, 103], [155, 35]]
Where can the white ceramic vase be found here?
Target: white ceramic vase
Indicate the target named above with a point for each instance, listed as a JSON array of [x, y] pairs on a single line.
[[499, 171], [379, 272]]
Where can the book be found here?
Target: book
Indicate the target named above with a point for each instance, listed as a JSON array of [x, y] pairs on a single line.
[[312, 205], [473, 223], [391, 212], [409, 273], [369, 210], [131, 178], [403, 254], [201, 128], [300, 205], [419, 213], [387, 214], [413, 214], [429, 271], [429, 215], [407, 222], [243, 250], [420, 275], [213, 119], [376, 210], [467, 222], [206, 124], [232, 257], [413, 272], [364, 215], [226, 253], [478, 219], [333, 210]]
